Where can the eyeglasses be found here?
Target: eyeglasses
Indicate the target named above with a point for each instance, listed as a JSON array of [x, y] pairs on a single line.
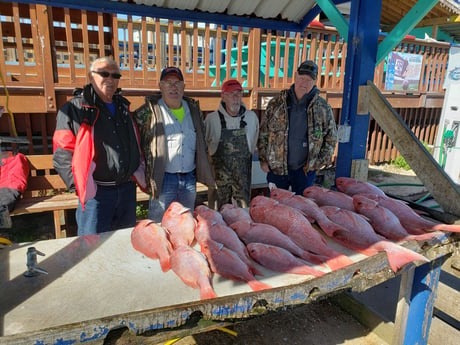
[[170, 83], [105, 74], [237, 94]]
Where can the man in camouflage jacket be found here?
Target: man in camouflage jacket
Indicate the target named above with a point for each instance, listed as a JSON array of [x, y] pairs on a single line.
[[298, 133]]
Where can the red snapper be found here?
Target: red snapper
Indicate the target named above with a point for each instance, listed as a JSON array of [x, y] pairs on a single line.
[[293, 224]]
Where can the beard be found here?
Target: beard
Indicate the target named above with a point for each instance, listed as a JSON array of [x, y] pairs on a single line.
[[234, 107]]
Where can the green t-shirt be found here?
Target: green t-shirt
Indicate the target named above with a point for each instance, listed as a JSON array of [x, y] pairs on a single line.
[[179, 113]]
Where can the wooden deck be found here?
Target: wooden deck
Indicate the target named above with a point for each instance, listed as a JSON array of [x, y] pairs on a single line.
[[43, 63]]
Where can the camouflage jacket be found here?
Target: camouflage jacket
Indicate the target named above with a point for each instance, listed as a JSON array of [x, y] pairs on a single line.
[[153, 142], [272, 145]]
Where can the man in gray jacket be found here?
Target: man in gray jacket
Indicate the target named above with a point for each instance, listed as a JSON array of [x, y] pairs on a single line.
[[172, 139]]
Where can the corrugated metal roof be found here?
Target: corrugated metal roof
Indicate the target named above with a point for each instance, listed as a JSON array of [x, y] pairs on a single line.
[[289, 10], [288, 15], [301, 12]]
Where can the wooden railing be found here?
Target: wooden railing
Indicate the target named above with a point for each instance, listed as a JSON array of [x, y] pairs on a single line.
[[48, 51]]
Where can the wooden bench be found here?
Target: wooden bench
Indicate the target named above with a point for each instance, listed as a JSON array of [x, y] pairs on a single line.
[[46, 192]]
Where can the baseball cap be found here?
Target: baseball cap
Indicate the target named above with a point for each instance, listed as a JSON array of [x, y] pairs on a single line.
[[171, 71], [308, 67], [231, 85]]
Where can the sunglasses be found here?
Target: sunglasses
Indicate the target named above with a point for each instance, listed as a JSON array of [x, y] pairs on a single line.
[[170, 83], [105, 74]]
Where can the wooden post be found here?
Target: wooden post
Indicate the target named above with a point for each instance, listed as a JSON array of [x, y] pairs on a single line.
[[438, 183], [46, 57]]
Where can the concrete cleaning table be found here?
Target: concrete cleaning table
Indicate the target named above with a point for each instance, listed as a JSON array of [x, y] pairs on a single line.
[[99, 283]]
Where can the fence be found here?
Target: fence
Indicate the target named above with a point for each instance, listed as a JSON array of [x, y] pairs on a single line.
[[48, 50]]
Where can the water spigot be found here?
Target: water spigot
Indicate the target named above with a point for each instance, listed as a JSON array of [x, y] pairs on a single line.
[[32, 268]]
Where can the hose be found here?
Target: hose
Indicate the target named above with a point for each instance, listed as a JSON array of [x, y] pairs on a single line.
[[419, 201], [399, 184]]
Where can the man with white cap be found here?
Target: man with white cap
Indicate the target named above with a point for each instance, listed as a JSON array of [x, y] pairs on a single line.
[[231, 136]]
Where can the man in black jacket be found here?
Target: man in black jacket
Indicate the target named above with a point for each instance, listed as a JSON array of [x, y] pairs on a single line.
[[97, 152]]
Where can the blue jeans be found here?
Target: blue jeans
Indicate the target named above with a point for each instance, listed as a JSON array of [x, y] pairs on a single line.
[[296, 179], [176, 187], [113, 207]]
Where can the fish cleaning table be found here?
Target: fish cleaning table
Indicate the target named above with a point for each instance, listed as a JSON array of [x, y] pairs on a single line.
[[99, 283]]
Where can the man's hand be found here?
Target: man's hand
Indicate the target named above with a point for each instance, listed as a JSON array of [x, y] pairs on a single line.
[[264, 167]]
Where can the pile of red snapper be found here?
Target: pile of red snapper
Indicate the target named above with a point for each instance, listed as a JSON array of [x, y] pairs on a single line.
[[277, 234]]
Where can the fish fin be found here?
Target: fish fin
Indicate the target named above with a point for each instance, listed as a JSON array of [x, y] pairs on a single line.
[[330, 228], [165, 265], [256, 271], [256, 285]]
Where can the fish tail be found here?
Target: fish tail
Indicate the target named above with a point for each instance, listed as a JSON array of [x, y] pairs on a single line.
[[165, 264], [425, 237], [306, 270], [256, 285], [207, 293], [315, 273], [446, 227], [399, 256], [338, 262]]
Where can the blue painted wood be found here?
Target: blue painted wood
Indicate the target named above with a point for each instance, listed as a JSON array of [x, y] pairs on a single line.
[[360, 65], [425, 284]]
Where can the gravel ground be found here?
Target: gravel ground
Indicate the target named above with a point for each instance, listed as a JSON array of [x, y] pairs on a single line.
[[317, 323]]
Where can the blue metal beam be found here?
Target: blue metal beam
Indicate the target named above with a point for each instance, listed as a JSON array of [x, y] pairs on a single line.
[[359, 68], [424, 286]]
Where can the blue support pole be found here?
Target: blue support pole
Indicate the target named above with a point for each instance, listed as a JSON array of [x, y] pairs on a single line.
[[424, 286], [361, 59]]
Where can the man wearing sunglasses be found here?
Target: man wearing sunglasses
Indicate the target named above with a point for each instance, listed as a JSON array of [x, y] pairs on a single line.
[[172, 136], [298, 133], [97, 152]]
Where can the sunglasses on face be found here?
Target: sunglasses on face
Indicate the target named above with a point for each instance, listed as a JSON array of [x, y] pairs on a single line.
[[173, 83], [105, 74]]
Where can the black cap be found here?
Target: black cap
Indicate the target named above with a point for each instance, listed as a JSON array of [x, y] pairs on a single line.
[[308, 67], [172, 70]]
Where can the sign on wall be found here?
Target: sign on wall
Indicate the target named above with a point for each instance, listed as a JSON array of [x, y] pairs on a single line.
[[403, 71]]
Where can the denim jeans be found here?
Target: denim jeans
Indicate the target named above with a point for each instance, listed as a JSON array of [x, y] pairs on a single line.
[[113, 207], [296, 179], [176, 187]]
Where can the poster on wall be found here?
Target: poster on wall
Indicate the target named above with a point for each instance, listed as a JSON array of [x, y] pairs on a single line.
[[403, 71], [453, 68]]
